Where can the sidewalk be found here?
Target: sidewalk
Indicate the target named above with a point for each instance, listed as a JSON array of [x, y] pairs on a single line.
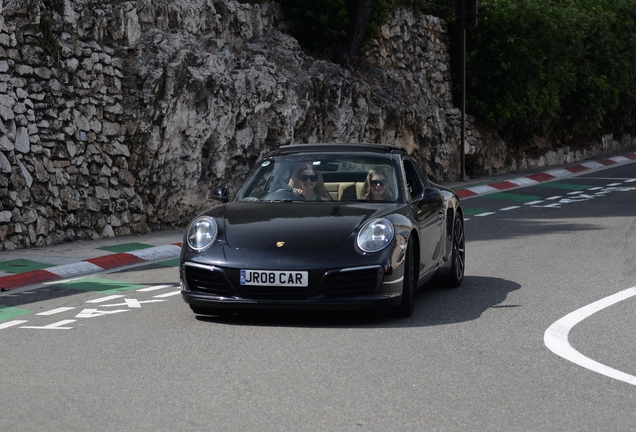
[[487, 185], [25, 267]]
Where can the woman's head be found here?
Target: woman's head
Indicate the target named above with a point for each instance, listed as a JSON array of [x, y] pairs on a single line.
[[377, 185], [309, 180], [305, 177]]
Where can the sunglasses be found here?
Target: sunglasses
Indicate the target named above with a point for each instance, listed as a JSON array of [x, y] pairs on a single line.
[[305, 177], [375, 183]]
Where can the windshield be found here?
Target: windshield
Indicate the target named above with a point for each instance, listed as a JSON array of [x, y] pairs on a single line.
[[319, 177]]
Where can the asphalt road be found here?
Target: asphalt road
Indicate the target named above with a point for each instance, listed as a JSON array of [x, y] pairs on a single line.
[[122, 351]]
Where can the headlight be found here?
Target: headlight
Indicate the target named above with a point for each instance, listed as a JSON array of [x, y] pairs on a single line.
[[375, 235], [202, 233]]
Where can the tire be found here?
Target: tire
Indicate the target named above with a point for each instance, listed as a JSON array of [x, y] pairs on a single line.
[[458, 254], [405, 309]]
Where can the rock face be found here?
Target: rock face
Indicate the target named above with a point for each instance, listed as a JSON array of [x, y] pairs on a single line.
[[235, 86], [120, 117]]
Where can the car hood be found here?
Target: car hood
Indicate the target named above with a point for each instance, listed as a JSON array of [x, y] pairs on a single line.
[[299, 226]]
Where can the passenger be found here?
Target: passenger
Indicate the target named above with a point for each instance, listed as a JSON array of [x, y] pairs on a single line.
[[308, 183], [377, 186]]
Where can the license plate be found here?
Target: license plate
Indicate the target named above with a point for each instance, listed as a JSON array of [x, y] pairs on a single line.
[[274, 278]]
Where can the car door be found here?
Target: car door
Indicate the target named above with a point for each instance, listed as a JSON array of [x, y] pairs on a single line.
[[428, 209]]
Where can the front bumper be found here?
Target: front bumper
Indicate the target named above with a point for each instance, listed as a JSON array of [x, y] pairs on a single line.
[[366, 302], [361, 287]]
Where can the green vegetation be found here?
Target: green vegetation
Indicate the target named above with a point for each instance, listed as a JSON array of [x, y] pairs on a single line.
[[559, 69], [553, 68], [318, 25], [321, 25]]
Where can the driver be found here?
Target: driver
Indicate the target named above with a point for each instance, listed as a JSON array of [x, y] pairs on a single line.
[[308, 183]]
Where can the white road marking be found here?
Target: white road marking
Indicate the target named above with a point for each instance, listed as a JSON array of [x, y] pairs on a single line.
[[132, 303], [56, 311], [568, 200], [556, 336], [92, 313], [582, 195], [155, 288], [55, 326], [575, 196], [12, 323], [553, 205], [484, 214], [170, 294], [104, 299], [67, 280]]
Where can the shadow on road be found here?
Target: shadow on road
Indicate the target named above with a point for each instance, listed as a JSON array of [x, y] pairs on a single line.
[[433, 306]]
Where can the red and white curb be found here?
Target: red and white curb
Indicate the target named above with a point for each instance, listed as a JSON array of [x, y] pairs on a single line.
[[90, 266], [544, 176]]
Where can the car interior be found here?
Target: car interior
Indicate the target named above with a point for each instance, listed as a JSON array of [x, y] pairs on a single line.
[[343, 180]]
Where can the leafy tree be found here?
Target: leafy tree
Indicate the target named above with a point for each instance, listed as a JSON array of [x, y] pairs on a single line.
[[359, 13], [552, 68], [318, 25], [518, 69], [338, 28], [605, 98]]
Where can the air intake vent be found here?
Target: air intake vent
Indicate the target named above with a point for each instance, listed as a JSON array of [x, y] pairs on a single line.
[[207, 281], [353, 283]]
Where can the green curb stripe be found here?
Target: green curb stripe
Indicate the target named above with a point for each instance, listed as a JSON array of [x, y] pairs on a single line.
[[22, 265], [473, 211], [8, 313], [127, 247], [507, 196], [105, 286], [169, 263], [566, 186]]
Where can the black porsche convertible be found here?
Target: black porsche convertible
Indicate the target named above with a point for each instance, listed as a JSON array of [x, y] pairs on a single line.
[[339, 226]]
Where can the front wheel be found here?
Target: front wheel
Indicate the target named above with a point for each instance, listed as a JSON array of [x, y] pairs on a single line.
[[405, 309], [458, 258]]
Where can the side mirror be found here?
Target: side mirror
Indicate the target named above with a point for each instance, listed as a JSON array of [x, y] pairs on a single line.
[[432, 196], [221, 194]]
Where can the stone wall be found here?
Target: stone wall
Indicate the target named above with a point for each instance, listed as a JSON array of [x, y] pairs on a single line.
[[64, 162], [120, 117]]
